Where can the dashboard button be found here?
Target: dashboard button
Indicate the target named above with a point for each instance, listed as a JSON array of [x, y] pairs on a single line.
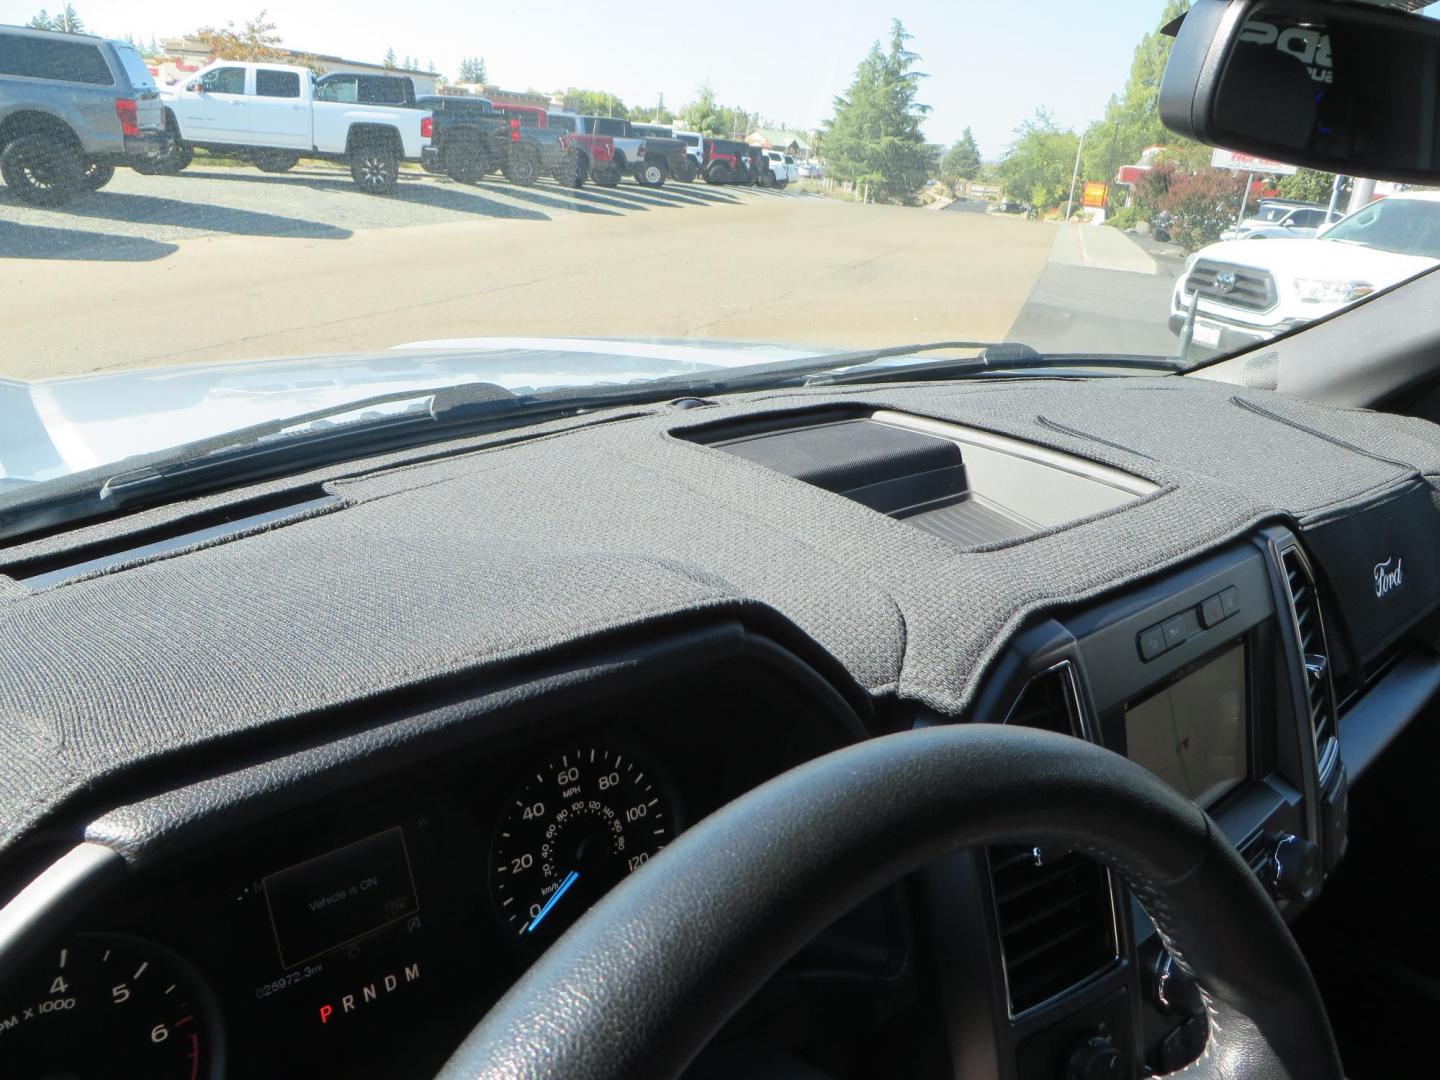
[[1211, 611], [1230, 601], [1151, 642], [1174, 628]]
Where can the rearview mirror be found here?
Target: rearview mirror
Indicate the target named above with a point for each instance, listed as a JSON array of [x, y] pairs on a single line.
[[1345, 88]]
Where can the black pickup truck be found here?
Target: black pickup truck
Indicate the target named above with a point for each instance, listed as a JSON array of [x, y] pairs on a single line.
[[472, 138]]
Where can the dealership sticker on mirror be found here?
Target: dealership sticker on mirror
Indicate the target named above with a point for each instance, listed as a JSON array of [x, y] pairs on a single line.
[[1206, 334]]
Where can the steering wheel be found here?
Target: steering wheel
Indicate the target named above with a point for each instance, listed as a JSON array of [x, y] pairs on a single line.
[[639, 985]]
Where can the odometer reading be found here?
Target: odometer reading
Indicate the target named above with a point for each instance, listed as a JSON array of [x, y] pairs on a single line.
[[573, 829]]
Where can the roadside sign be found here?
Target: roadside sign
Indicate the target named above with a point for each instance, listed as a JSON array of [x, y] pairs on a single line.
[[1095, 194], [1233, 159]]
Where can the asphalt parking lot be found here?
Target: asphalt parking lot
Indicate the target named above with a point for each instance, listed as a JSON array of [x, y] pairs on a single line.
[[222, 263]]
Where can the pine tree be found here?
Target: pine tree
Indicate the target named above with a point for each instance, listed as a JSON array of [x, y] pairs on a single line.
[[963, 160], [874, 137], [41, 21], [68, 21], [389, 60]]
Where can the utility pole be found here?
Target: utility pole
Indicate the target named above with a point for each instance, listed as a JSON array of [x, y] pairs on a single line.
[[1362, 193], [1334, 197], [1074, 175], [1245, 195]]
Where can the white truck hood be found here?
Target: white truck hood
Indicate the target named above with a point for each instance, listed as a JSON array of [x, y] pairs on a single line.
[[52, 427]]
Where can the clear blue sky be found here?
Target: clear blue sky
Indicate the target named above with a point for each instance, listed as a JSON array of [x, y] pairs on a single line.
[[991, 63]]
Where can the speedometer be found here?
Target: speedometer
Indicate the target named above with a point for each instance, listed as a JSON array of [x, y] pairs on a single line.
[[576, 826]]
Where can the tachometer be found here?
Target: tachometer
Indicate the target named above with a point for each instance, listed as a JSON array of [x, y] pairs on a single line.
[[573, 829], [99, 1006]]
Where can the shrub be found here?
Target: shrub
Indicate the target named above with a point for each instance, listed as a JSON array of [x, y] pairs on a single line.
[[1125, 218]]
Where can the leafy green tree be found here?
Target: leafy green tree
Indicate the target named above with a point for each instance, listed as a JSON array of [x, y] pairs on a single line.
[[963, 159], [874, 137], [256, 40], [596, 103], [703, 114], [1310, 185], [472, 70], [1132, 117], [1038, 165], [389, 60]]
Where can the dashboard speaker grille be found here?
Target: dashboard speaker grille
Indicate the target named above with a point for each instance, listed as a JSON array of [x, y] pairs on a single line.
[[1053, 909], [1315, 653]]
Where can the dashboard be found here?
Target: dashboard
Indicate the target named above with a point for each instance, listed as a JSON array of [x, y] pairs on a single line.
[[349, 896]]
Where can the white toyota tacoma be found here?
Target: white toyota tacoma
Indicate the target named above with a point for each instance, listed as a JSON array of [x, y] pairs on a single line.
[[273, 114], [1250, 292]]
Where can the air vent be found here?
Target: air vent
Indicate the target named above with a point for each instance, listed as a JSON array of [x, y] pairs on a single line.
[[1314, 651], [1053, 908]]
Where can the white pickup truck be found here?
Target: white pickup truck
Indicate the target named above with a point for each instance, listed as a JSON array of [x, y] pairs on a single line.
[[274, 113], [1250, 292]]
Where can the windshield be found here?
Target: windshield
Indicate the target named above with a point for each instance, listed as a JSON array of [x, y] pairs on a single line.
[[613, 207], [1407, 226]]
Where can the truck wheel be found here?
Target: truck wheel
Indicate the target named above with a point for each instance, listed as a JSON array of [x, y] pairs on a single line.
[[464, 159], [375, 167], [42, 169], [174, 160], [573, 171], [606, 176], [717, 174], [522, 166], [274, 161], [688, 171], [653, 174], [782, 184], [767, 179], [96, 176]]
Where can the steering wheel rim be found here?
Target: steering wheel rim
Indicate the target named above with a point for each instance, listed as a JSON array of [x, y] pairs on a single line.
[[639, 985]]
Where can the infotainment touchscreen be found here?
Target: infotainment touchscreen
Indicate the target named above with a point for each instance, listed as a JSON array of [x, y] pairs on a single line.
[[1192, 734]]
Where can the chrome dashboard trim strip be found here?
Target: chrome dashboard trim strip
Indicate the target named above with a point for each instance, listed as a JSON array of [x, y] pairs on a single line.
[[40, 909]]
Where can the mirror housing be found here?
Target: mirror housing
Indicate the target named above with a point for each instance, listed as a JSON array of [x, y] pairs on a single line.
[[196, 87], [1346, 88]]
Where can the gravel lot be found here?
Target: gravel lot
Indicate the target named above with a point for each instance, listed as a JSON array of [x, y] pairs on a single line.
[[140, 218]]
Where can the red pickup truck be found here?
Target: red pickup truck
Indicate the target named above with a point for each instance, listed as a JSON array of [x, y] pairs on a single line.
[[596, 153]]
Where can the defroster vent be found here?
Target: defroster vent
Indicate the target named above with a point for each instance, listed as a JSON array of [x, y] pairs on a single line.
[[1053, 908], [1315, 652]]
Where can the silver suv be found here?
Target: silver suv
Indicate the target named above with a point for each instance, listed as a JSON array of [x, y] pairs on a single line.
[[72, 108]]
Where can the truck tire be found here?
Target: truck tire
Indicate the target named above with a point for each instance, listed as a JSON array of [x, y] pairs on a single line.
[[522, 166], [606, 175], [274, 161], [374, 166], [43, 169], [767, 179], [96, 176], [464, 159], [653, 174], [688, 170], [717, 173], [174, 160], [782, 184], [573, 170]]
